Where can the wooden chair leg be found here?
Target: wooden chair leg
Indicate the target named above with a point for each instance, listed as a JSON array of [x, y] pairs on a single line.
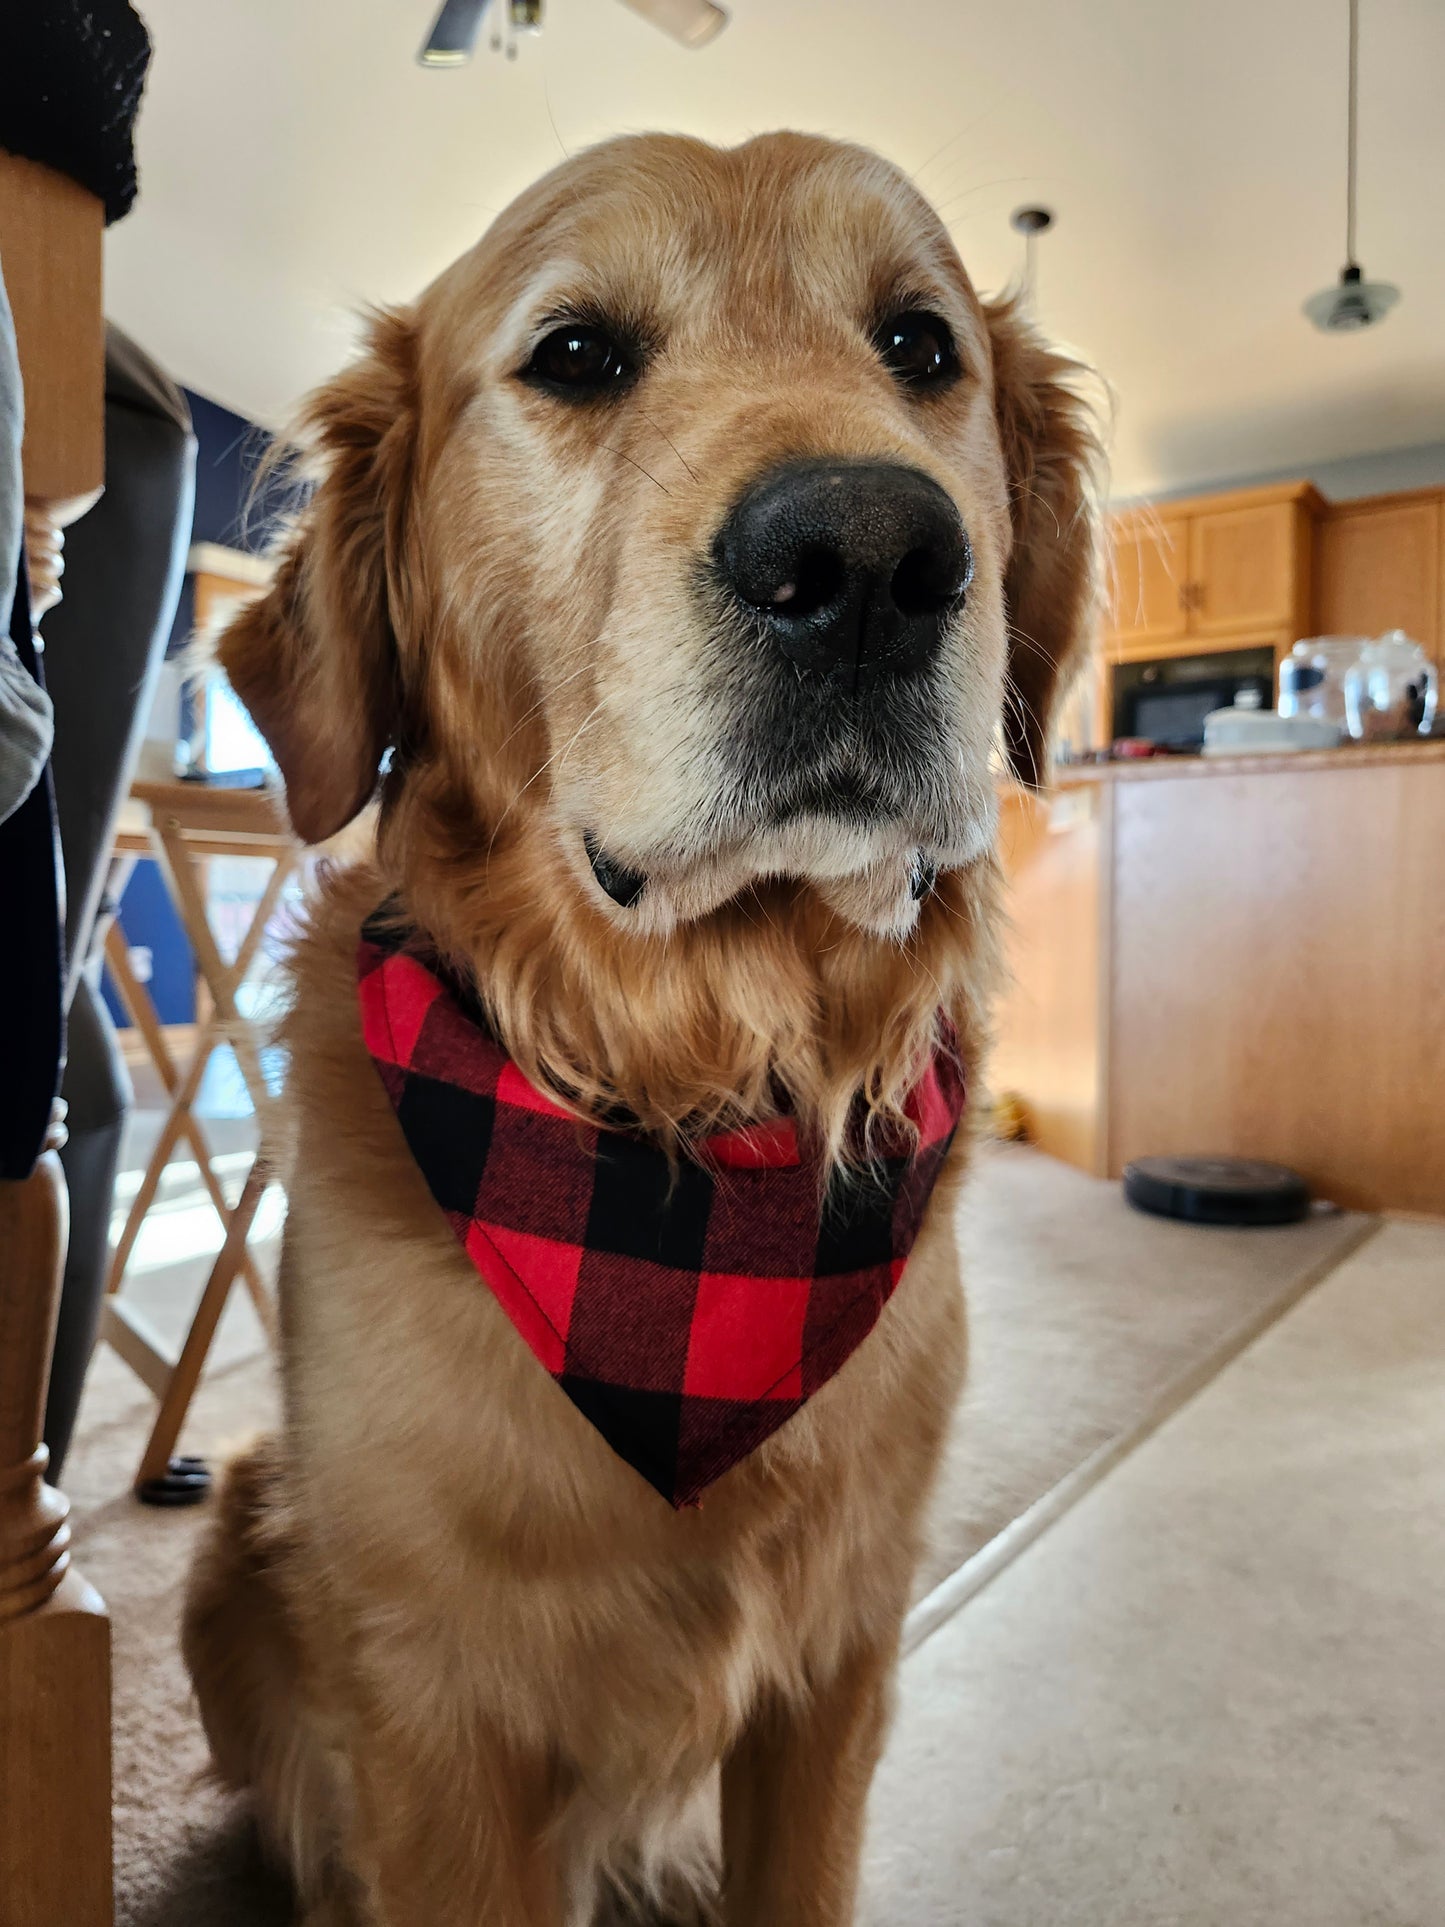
[[186, 1376], [172, 1131], [55, 1838], [136, 999]]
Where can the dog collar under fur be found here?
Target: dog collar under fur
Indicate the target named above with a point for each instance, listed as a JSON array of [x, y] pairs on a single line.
[[687, 1309]]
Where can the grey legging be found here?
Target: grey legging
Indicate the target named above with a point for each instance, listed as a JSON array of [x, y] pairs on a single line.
[[105, 641]]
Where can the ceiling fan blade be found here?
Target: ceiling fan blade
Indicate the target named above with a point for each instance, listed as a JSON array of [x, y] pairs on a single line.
[[453, 37], [693, 22]]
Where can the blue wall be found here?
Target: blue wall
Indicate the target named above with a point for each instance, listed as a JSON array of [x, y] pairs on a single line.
[[228, 450], [148, 917]]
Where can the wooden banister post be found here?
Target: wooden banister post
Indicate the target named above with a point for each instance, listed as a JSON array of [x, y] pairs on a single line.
[[55, 1831], [54, 1635]]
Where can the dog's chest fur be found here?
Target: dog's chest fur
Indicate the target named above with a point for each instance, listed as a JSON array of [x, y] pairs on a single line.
[[510, 1571]]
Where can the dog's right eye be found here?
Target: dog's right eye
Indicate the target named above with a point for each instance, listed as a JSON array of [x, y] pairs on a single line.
[[918, 347], [580, 359]]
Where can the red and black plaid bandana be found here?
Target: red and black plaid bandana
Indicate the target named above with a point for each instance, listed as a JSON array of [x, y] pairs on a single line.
[[687, 1309]]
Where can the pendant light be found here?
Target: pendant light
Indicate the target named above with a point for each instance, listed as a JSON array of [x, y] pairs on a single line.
[[1354, 302], [1030, 222]]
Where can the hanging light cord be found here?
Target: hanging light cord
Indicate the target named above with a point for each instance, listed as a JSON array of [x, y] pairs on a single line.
[[1351, 138]]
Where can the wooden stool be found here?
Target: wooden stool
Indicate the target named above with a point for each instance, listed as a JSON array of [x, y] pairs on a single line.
[[186, 824]]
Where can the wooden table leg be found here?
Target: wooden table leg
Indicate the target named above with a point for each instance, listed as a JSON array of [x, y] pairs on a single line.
[[186, 1376], [134, 996], [55, 1839], [175, 1382], [222, 979], [172, 1131]]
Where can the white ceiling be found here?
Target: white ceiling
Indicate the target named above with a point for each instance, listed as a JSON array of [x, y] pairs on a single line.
[[296, 163]]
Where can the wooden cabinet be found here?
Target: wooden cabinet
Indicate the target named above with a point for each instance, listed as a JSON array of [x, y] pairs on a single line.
[[1150, 570], [1227, 570], [1053, 1042], [1380, 564], [1239, 957], [1263, 567], [1215, 573], [1248, 569], [1278, 942]]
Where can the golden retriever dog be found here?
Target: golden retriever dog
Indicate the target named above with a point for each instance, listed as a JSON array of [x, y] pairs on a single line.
[[689, 559]]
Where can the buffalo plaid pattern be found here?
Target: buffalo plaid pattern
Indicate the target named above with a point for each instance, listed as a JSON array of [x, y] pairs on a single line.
[[687, 1309]]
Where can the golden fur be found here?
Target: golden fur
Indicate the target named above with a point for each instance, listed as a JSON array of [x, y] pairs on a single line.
[[472, 1669]]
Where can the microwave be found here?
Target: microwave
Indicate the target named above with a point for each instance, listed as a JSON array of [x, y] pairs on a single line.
[[1166, 702]]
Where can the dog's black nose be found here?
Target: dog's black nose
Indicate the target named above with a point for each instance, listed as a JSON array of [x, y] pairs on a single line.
[[854, 568]]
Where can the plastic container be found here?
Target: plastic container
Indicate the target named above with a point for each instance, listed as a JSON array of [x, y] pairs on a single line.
[[1312, 676], [1390, 690], [1261, 732]]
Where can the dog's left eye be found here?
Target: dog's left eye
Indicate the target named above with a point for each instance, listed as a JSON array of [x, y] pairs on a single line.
[[581, 358], [918, 347]]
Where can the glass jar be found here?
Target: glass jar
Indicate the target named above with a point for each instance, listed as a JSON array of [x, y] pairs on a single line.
[[1312, 677], [1390, 690]]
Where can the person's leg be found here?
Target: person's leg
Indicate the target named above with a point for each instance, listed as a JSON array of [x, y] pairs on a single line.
[[104, 644], [98, 1092]]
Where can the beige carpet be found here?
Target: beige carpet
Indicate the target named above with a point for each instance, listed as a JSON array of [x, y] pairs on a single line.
[[1208, 1696], [1086, 1321]]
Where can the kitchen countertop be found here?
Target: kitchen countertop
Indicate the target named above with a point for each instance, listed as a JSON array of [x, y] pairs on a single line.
[[1266, 763]]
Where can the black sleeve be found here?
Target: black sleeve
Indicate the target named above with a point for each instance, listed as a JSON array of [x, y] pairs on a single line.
[[71, 75]]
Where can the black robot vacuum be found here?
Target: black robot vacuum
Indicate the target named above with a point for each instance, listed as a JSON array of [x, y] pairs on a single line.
[[1237, 1191]]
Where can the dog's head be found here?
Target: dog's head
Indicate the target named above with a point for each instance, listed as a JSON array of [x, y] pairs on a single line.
[[701, 524]]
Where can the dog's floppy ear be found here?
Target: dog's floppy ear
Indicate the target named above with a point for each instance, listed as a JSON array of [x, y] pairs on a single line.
[[315, 658], [1051, 448]]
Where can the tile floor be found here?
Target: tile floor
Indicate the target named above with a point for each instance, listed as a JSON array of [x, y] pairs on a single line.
[[1212, 1694]]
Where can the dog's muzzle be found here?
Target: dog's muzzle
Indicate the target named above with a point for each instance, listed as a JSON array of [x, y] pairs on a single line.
[[626, 887], [853, 570]]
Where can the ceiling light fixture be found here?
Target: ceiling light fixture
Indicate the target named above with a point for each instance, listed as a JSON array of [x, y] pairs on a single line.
[[1353, 303], [692, 22], [453, 38], [1030, 222]]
